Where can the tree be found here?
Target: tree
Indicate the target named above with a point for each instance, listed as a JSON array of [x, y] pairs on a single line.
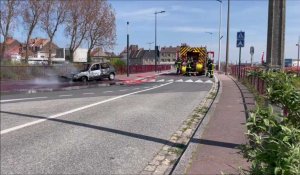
[[52, 16], [101, 29], [8, 15], [77, 20], [31, 13]]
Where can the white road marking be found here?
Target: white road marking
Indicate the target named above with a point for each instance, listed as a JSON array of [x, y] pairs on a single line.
[[76, 110], [67, 95], [189, 81], [107, 91], [136, 89], [208, 81], [162, 80], [20, 99], [151, 81], [89, 93], [171, 80], [179, 80], [199, 81], [124, 90]]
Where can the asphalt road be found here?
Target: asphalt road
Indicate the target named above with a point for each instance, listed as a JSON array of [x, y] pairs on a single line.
[[104, 130]]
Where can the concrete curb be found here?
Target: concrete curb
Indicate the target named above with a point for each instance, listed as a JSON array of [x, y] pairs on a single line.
[[188, 156]]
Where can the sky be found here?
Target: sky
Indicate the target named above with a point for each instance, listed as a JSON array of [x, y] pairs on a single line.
[[188, 21]]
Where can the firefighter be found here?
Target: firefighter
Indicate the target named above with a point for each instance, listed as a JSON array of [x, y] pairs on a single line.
[[189, 66], [210, 67], [178, 66]]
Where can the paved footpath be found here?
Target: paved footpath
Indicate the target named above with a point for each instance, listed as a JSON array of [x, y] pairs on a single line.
[[217, 150]]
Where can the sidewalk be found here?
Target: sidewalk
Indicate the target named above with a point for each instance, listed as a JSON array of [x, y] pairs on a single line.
[[216, 151]]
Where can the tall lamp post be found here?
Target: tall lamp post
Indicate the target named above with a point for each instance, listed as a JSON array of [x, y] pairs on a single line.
[[127, 50], [298, 71], [227, 39], [220, 24], [155, 14]]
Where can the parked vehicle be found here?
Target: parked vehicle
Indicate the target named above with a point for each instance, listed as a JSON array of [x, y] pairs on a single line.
[[95, 71]]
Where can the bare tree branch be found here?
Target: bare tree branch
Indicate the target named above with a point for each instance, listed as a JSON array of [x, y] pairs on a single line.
[[101, 29], [31, 13], [53, 15], [77, 20], [8, 15]]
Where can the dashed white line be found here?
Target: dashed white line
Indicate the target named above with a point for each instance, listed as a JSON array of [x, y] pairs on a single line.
[[107, 91], [20, 99], [67, 95], [136, 89], [123, 90], [75, 110], [88, 93]]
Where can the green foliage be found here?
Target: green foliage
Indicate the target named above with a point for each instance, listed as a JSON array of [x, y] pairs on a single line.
[[8, 75], [274, 139], [117, 63]]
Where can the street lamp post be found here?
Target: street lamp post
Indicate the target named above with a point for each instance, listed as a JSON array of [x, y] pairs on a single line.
[[227, 39], [127, 50], [220, 24], [155, 47], [298, 71]]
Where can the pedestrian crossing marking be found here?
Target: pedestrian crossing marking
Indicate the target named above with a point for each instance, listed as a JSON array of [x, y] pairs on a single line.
[[199, 81], [208, 81], [189, 81], [152, 80], [170, 80], [179, 80], [162, 80]]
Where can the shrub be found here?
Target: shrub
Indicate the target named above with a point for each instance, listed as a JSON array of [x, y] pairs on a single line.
[[274, 139]]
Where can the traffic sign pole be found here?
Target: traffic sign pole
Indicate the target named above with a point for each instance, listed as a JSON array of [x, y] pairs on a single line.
[[239, 76], [240, 42]]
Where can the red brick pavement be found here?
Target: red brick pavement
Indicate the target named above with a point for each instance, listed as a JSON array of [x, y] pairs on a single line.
[[217, 150]]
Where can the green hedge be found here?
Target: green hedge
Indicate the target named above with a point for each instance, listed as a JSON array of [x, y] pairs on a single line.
[[274, 138]]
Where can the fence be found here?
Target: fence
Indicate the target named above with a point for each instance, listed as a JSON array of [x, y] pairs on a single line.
[[142, 68], [255, 81], [28, 72]]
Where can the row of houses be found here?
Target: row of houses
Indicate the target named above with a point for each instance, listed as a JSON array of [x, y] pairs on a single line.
[[39, 52], [141, 56]]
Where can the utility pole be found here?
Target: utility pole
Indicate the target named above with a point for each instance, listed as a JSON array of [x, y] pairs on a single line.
[[156, 48], [227, 39], [298, 71], [220, 24], [127, 50]]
